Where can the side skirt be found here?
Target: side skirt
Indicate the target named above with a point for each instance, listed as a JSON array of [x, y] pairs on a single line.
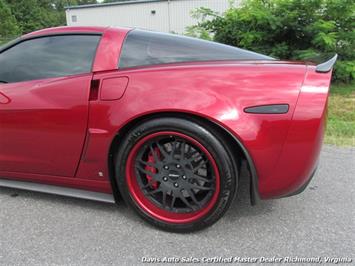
[[62, 191]]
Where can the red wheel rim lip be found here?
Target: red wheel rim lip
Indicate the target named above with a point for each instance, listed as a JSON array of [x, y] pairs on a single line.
[[149, 207]]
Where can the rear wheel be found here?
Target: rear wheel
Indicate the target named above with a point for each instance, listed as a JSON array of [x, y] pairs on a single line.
[[176, 174]]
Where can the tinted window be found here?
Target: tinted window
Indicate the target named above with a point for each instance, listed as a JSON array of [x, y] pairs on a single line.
[[149, 48], [48, 57]]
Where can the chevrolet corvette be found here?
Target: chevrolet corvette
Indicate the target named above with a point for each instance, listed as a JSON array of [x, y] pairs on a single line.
[[162, 121]]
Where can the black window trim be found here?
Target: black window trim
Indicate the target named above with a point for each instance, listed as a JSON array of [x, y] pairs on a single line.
[[21, 39], [119, 67], [121, 49], [196, 62]]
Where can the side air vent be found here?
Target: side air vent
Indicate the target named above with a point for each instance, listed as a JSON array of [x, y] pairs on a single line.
[[268, 109]]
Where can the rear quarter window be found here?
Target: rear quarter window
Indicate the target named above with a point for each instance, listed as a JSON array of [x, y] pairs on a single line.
[[142, 48]]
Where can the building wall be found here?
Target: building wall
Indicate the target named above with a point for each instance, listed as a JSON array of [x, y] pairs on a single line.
[[170, 16]]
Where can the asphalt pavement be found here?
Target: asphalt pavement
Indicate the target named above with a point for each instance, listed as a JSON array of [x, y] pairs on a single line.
[[41, 229]]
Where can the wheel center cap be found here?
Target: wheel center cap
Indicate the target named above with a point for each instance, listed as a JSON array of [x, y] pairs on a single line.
[[174, 175]]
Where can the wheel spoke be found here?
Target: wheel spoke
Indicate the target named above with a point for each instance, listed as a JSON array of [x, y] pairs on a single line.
[[182, 155], [164, 198], [193, 157], [155, 156], [200, 164], [203, 179], [194, 186], [175, 145], [172, 202], [144, 171], [149, 184], [148, 164], [173, 148], [153, 192], [188, 149], [185, 201], [163, 151], [192, 195]]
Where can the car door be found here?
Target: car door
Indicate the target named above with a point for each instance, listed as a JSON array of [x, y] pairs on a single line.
[[44, 92]]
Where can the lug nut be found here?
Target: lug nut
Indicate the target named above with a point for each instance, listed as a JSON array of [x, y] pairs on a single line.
[[178, 166], [166, 167], [184, 177], [165, 178], [176, 185]]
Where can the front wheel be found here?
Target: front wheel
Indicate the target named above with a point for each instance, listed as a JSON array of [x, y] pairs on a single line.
[[176, 174]]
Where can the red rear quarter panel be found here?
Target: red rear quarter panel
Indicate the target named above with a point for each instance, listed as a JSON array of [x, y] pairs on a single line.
[[218, 92]]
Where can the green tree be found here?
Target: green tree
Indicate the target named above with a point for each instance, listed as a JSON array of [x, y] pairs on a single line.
[[83, 2], [113, 1], [31, 15], [38, 14], [8, 23], [287, 29], [23, 16]]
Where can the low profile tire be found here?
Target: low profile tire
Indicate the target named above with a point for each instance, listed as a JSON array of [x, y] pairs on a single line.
[[176, 173]]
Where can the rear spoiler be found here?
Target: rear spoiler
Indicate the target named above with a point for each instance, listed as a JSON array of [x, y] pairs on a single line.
[[327, 66]]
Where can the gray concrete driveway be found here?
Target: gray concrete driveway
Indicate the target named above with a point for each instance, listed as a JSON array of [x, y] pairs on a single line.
[[40, 229]]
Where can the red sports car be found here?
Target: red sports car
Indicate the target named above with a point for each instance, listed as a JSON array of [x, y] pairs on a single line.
[[163, 121]]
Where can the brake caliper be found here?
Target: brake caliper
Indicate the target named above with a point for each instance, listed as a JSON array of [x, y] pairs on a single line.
[[152, 169]]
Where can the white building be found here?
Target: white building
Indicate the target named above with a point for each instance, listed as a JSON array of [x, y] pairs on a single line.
[[159, 15]]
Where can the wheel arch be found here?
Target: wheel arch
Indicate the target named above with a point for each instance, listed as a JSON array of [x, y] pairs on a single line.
[[228, 137]]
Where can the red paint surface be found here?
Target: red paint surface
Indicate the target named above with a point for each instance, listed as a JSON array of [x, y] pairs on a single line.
[[51, 133], [113, 88], [43, 127]]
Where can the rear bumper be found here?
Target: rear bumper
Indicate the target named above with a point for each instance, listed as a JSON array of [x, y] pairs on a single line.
[[300, 153], [305, 185]]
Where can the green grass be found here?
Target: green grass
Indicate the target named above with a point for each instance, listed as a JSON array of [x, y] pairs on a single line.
[[341, 116]]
